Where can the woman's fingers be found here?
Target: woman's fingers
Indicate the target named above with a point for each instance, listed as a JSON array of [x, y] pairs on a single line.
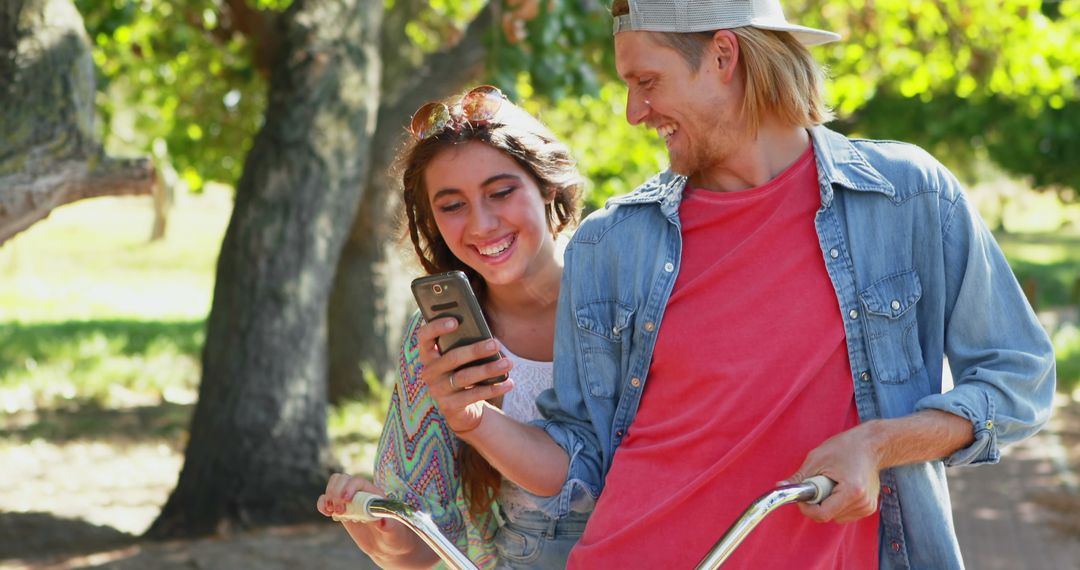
[[436, 372], [427, 335], [468, 378], [340, 489]]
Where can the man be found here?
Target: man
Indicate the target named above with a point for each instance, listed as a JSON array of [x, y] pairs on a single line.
[[777, 305]]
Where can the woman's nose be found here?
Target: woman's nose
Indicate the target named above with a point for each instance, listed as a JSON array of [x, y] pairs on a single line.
[[483, 220]]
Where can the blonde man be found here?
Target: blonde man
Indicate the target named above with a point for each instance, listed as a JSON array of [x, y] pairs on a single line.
[[776, 305]]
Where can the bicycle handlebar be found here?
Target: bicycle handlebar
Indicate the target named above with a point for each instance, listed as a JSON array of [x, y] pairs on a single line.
[[366, 507], [813, 490]]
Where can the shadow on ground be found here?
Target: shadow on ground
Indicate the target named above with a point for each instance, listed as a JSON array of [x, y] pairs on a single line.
[[36, 535], [162, 422]]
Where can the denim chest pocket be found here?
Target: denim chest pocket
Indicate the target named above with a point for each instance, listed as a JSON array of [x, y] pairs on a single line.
[[603, 325], [891, 326]]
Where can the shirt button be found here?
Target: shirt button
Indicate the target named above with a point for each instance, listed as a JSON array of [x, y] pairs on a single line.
[[989, 424], [865, 376], [635, 382], [669, 267], [886, 489], [895, 546], [618, 433], [833, 253], [895, 305], [853, 314], [649, 326]]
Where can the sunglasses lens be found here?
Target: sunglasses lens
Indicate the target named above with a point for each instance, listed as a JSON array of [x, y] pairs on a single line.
[[481, 103], [429, 119]]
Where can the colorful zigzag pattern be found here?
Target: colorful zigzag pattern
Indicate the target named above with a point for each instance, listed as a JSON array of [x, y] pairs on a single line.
[[417, 460]]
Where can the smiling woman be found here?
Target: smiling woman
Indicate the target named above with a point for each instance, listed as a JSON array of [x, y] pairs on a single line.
[[486, 190]]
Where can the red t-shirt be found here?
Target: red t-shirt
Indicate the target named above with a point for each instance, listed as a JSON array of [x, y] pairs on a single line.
[[750, 372]]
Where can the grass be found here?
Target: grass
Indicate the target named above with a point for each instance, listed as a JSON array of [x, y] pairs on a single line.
[[94, 315], [106, 363], [101, 331], [92, 260], [1048, 265]]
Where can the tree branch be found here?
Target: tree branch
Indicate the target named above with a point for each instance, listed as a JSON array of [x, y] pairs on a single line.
[[29, 196]]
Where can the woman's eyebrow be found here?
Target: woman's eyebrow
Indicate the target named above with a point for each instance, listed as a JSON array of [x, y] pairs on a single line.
[[498, 177]]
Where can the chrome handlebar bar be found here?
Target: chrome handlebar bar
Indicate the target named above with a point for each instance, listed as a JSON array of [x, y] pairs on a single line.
[[366, 507]]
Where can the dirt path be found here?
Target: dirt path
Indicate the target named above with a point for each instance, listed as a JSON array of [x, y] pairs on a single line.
[[78, 504]]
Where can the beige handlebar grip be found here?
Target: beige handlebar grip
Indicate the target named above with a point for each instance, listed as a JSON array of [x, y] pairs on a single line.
[[357, 509]]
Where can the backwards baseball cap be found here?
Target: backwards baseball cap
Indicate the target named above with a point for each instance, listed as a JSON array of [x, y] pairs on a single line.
[[708, 15]]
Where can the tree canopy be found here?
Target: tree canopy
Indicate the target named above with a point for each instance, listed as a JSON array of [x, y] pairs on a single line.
[[183, 79]]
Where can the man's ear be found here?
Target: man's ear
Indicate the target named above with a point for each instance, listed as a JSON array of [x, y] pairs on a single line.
[[724, 53]]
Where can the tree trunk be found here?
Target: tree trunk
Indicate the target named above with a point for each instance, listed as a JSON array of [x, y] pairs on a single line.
[[48, 154], [259, 452], [371, 291]]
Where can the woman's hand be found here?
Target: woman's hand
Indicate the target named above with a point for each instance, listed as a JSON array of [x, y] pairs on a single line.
[[388, 542], [459, 397]]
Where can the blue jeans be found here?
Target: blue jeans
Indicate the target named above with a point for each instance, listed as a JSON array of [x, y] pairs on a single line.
[[534, 540]]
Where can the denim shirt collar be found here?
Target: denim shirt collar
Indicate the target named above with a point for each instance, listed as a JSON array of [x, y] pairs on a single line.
[[838, 162]]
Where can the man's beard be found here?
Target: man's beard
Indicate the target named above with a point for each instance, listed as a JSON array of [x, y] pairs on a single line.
[[693, 159]]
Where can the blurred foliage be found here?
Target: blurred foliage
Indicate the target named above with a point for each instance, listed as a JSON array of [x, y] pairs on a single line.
[[173, 83], [613, 155], [967, 80], [565, 49], [961, 78]]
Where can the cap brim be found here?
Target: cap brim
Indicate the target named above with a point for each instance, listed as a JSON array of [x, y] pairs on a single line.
[[806, 36]]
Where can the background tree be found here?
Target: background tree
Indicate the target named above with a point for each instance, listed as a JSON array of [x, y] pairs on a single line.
[[258, 449], [253, 464], [49, 153]]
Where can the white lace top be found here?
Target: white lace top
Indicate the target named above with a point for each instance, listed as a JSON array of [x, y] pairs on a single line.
[[530, 378]]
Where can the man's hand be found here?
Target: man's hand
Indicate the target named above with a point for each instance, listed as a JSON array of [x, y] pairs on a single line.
[[855, 458], [850, 460]]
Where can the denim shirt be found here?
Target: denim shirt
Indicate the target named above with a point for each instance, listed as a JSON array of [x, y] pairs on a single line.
[[917, 276]]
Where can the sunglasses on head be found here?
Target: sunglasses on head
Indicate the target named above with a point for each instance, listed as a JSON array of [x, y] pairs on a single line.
[[478, 106]]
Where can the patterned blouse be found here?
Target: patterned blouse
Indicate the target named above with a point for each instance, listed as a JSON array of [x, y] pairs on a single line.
[[416, 460]]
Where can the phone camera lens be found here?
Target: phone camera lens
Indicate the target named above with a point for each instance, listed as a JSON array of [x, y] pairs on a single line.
[[437, 289]]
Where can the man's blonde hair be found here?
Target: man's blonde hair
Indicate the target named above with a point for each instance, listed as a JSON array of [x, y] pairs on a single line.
[[782, 78]]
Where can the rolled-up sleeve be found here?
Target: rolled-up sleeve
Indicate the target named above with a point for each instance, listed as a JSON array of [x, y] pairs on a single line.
[[1001, 358], [569, 419]]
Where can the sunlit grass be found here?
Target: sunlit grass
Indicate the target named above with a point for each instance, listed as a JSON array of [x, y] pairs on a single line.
[[1067, 350], [94, 317], [93, 313], [106, 363], [354, 430], [1047, 263], [93, 259]]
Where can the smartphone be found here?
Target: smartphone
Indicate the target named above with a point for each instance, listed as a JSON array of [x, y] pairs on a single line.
[[450, 295]]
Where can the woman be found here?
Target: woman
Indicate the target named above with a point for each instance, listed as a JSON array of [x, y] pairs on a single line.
[[486, 189]]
